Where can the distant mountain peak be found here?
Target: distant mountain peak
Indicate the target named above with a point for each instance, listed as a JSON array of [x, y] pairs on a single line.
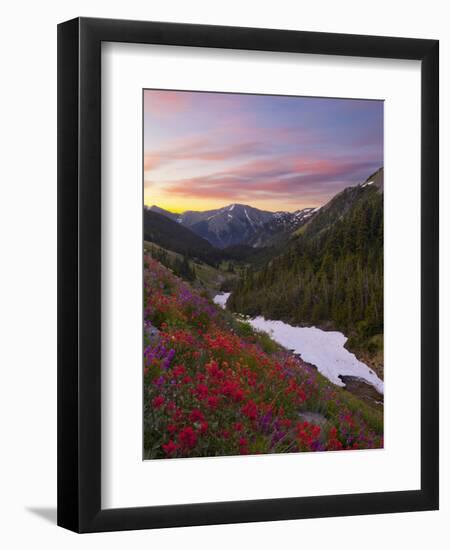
[[236, 224], [376, 180]]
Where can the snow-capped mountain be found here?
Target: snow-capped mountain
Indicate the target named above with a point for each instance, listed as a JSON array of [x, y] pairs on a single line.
[[282, 225], [240, 224]]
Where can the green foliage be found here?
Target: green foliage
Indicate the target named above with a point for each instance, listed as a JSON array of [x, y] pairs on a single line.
[[179, 264], [332, 274], [243, 329], [173, 236]]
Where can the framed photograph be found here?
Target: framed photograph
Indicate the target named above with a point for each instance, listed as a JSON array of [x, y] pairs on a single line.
[[247, 276]]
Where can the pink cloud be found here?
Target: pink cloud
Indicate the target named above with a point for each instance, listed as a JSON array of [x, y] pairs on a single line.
[[281, 177], [151, 161], [201, 149], [169, 102], [163, 103]]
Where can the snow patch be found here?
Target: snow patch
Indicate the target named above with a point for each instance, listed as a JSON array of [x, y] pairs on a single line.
[[367, 183], [221, 299], [247, 216], [323, 349]]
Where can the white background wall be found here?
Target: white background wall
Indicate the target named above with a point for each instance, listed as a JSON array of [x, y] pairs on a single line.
[[28, 274]]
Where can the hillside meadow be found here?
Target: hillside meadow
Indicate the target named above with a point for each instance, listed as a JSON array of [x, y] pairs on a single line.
[[213, 386]]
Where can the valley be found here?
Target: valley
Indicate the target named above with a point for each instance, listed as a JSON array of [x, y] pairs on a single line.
[[324, 350], [216, 386], [319, 267], [263, 261]]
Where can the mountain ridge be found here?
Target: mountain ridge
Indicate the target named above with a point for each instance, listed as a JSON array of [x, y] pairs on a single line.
[[330, 273], [237, 223]]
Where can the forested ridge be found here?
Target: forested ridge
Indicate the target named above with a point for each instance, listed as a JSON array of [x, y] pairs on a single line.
[[172, 236], [331, 274]]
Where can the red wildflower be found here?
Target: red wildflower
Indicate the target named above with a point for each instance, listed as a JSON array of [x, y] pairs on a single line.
[[177, 415], [315, 431], [158, 401], [301, 395], [213, 402], [333, 443], [237, 426], [196, 415], [250, 410], [178, 370], [212, 368], [170, 448], [187, 437], [243, 449], [239, 395], [202, 391]]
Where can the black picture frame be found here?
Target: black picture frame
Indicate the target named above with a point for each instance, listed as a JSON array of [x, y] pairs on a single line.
[[79, 274]]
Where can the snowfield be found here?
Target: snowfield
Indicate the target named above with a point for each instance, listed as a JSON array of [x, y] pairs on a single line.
[[221, 299], [323, 349]]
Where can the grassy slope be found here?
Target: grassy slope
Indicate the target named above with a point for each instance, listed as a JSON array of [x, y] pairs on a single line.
[[206, 275], [213, 386]]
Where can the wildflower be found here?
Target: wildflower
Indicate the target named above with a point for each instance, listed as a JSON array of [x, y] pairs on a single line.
[[213, 402], [168, 359], [315, 431], [333, 443], [158, 401], [177, 415], [170, 447], [187, 437], [202, 391], [178, 370], [250, 410], [243, 449], [196, 415], [238, 395]]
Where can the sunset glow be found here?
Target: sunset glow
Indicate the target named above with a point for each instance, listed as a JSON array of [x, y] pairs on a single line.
[[207, 150]]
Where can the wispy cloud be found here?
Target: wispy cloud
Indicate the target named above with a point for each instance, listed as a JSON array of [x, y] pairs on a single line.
[[278, 177], [201, 149], [162, 103], [205, 148]]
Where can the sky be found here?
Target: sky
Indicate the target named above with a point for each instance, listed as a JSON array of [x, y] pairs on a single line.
[[205, 150]]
